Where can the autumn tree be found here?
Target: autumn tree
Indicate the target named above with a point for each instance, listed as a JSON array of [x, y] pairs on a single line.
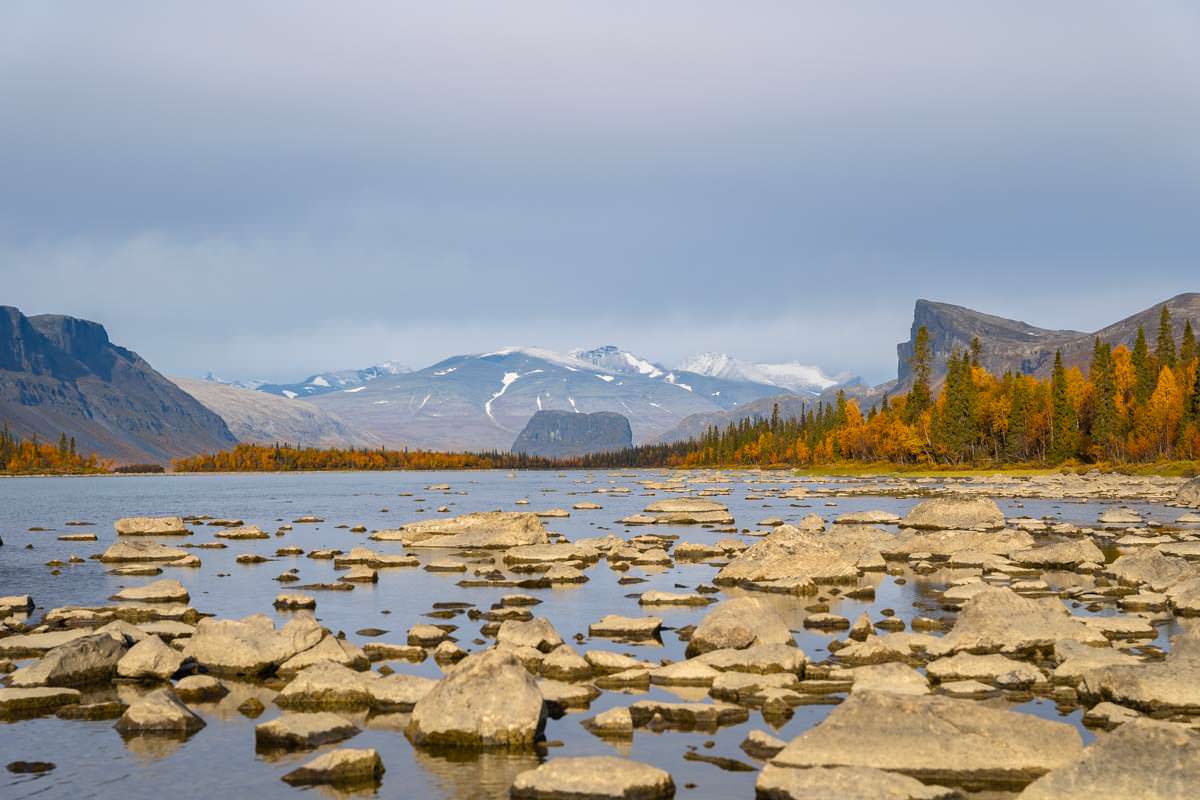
[[920, 397], [1064, 429], [1143, 368]]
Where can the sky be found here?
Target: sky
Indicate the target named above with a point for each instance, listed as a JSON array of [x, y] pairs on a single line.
[[270, 189]]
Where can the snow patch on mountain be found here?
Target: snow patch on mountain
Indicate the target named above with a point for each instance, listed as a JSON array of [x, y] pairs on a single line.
[[788, 375], [508, 380]]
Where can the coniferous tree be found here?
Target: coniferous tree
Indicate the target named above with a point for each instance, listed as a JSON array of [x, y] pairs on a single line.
[[1145, 376], [1187, 348], [1105, 420], [1164, 349], [1064, 428], [976, 351], [921, 395]]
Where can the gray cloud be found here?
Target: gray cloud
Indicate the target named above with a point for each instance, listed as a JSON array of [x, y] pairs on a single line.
[[265, 193]]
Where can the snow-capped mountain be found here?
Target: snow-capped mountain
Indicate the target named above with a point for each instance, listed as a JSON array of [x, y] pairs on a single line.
[[792, 375], [339, 380], [482, 401]]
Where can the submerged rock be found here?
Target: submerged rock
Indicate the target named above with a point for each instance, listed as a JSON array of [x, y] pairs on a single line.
[[303, 731]]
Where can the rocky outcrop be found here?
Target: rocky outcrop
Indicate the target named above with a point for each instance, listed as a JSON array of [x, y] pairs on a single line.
[[802, 559], [62, 375], [90, 659], [250, 646], [1011, 346], [935, 740], [303, 731], [488, 700], [162, 712], [565, 434], [150, 660], [998, 620], [1189, 494], [151, 526], [339, 768], [689, 511]]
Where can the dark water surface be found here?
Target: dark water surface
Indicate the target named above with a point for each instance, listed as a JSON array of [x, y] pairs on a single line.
[[220, 761]]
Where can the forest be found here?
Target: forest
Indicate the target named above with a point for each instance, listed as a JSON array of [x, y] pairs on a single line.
[[31, 457]]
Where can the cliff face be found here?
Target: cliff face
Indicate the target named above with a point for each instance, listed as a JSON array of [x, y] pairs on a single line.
[[1009, 345], [62, 375], [563, 434]]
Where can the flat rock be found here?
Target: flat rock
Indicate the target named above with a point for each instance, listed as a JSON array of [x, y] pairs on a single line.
[[89, 659], [22, 702], [164, 591], [250, 646], [1142, 758], [599, 777], [936, 740], [303, 731], [151, 526], [823, 783], [344, 767], [488, 529], [614, 626], [998, 620], [200, 689], [955, 513], [120, 552], [739, 623], [325, 685]]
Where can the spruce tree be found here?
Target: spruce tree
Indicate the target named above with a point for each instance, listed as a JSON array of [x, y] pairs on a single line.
[[1145, 376], [1187, 349], [1164, 349], [920, 397], [1105, 428], [1064, 425], [976, 351]]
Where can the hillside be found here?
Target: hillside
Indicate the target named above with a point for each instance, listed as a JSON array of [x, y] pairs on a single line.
[[563, 434], [262, 418], [62, 375]]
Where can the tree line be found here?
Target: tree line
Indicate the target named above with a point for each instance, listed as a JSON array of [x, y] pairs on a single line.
[[32, 457]]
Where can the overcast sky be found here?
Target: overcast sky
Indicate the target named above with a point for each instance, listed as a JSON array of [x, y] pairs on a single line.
[[271, 189]]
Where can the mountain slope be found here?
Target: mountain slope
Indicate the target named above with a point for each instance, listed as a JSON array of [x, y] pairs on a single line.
[[791, 375], [324, 382], [1009, 345], [62, 375], [475, 402], [259, 417]]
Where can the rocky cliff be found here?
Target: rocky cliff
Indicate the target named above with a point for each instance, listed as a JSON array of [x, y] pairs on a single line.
[[62, 375], [563, 434], [1009, 345]]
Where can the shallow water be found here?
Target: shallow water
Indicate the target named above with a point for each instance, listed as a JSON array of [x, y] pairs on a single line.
[[94, 761]]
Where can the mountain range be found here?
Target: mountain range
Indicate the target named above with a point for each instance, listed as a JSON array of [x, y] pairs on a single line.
[[62, 375]]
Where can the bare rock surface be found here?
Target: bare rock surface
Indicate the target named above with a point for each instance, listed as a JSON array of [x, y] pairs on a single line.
[[303, 731], [821, 783], [344, 767], [588, 777], [151, 526], [955, 513], [739, 623], [160, 711]]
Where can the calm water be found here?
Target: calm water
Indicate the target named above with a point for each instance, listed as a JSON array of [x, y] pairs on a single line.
[[94, 761]]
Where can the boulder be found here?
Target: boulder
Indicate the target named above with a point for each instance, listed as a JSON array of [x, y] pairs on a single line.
[[737, 624], [935, 740], [791, 554], [1170, 686], [998, 620], [949, 544], [1142, 758], [330, 649], [689, 511], [1063, 555], [151, 526], [250, 646], [303, 731], [160, 711], [993, 668], [345, 767], [90, 659], [488, 700], [1189, 494], [537, 633], [200, 689], [955, 513], [16, 603], [150, 660], [782, 783], [614, 626], [243, 532], [1151, 569], [326, 685], [588, 777], [398, 692]]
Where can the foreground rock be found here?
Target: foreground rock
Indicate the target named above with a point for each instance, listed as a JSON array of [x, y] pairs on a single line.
[[149, 660], [344, 767], [738, 624], [936, 740], [599, 777], [151, 526], [782, 783], [25, 702], [488, 529], [794, 560], [161, 711], [488, 700], [1172, 685], [1143, 759], [1189, 494], [951, 513]]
